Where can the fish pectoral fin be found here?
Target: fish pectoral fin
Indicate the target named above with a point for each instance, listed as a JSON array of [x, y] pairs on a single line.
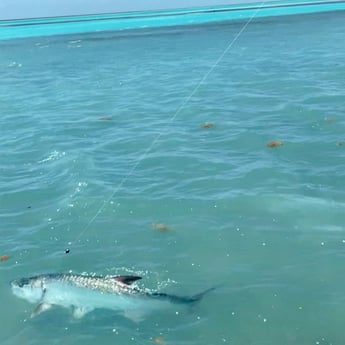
[[42, 307], [79, 312], [134, 315]]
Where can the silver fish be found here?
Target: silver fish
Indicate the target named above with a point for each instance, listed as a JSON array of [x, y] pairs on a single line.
[[84, 293]]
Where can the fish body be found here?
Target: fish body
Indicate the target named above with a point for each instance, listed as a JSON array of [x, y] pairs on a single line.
[[84, 293]]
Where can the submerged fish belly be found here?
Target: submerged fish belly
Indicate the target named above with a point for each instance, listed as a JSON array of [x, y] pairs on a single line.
[[72, 296]]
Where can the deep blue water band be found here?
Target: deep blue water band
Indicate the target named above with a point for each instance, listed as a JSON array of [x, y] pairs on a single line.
[[134, 20]]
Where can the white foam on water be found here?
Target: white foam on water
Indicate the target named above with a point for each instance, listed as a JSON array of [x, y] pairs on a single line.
[[53, 156]]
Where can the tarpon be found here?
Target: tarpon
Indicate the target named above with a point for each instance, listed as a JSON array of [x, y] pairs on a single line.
[[84, 293]]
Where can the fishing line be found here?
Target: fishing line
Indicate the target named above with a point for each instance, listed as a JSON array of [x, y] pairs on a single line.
[[178, 111]]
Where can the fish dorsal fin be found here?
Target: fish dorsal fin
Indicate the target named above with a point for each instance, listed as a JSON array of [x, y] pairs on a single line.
[[128, 280]]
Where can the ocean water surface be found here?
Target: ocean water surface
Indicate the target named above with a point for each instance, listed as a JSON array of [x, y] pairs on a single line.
[[102, 136]]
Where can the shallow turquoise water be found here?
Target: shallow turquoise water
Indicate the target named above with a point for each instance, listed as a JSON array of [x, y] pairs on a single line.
[[265, 225]]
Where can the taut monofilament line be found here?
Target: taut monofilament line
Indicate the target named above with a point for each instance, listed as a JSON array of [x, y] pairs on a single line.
[[170, 121]]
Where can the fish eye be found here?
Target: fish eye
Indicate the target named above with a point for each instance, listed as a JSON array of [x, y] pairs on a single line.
[[22, 282]]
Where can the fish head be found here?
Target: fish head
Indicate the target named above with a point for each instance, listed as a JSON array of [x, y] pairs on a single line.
[[30, 289]]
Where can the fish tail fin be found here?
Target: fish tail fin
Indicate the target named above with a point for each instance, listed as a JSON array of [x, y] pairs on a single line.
[[184, 299], [199, 296]]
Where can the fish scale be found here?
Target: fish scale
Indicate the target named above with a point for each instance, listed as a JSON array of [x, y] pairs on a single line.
[[104, 284]]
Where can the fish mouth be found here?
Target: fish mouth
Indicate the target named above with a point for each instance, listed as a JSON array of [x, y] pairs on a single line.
[[14, 283], [16, 290]]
